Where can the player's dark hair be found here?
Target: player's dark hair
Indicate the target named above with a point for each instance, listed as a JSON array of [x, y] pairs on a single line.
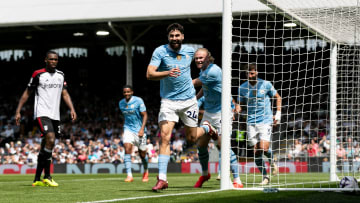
[[51, 52], [128, 86], [211, 58], [250, 67], [175, 26]]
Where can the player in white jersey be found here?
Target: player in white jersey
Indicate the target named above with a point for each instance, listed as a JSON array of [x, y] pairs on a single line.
[[210, 80], [255, 94], [170, 63], [134, 111], [49, 85]]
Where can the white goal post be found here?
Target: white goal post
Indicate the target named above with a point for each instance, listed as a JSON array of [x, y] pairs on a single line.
[[310, 51]]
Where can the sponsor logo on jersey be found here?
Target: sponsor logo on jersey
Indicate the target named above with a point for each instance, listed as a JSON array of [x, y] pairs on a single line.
[[54, 85], [178, 57]]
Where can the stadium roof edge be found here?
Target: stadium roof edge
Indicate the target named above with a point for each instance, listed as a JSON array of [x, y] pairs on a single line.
[[42, 12]]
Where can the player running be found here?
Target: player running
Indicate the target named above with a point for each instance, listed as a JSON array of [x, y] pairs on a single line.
[[49, 85], [210, 80], [134, 111], [170, 63], [255, 94]]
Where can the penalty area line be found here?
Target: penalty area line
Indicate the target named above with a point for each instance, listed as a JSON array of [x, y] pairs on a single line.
[[152, 196]]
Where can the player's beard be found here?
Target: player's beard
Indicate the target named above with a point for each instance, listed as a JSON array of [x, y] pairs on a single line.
[[253, 79], [175, 44]]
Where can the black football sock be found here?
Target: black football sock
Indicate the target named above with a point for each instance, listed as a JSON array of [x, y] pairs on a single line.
[[40, 165], [47, 162]]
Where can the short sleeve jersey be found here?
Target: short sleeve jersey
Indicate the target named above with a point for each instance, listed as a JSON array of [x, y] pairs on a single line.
[[258, 102], [181, 87], [48, 88], [132, 113], [211, 83]]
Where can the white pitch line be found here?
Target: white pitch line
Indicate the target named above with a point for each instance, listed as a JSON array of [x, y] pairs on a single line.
[[153, 196]]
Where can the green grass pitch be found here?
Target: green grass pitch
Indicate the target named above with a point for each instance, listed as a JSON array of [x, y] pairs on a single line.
[[90, 188]]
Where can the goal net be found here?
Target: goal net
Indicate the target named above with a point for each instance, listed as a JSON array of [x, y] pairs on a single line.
[[310, 51]]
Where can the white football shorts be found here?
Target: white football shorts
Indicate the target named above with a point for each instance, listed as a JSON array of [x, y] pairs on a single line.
[[257, 132], [187, 110], [215, 120], [134, 139]]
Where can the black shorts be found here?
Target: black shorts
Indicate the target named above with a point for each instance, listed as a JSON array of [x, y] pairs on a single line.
[[46, 125]]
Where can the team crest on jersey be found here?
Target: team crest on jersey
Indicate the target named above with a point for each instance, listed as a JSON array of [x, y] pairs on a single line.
[[187, 56], [132, 106], [45, 127], [262, 91], [178, 57]]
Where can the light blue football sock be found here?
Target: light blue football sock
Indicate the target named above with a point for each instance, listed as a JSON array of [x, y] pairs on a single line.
[[127, 161], [219, 166], [163, 164], [234, 164], [206, 128]]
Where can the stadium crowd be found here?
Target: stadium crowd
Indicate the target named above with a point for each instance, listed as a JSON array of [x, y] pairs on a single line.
[[312, 139], [96, 136]]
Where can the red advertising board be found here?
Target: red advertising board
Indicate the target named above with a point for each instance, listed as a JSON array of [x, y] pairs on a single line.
[[20, 169]]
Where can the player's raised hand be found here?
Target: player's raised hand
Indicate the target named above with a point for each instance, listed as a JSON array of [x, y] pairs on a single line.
[[175, 72]]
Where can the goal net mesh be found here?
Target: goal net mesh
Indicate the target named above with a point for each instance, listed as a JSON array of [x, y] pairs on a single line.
[[291, 43]]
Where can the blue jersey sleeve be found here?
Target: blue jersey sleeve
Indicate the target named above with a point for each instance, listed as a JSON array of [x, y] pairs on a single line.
[[156, 57], [271, 89], [142, 106]]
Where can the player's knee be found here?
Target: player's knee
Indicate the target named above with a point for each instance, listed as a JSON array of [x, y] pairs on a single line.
[[50, 141], [165, 141], [191, 139]]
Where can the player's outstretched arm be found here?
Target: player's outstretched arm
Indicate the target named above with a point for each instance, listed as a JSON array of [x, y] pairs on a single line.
[[23, 99], [152, 74], [67, 99]]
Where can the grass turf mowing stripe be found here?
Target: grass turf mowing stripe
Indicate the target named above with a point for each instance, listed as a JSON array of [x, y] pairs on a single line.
[[153, 196]]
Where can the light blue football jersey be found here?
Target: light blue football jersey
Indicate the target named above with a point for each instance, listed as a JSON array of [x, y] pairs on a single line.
[[211, 85], [257, 98], [132, 113], [201, 102], [181, 87]]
